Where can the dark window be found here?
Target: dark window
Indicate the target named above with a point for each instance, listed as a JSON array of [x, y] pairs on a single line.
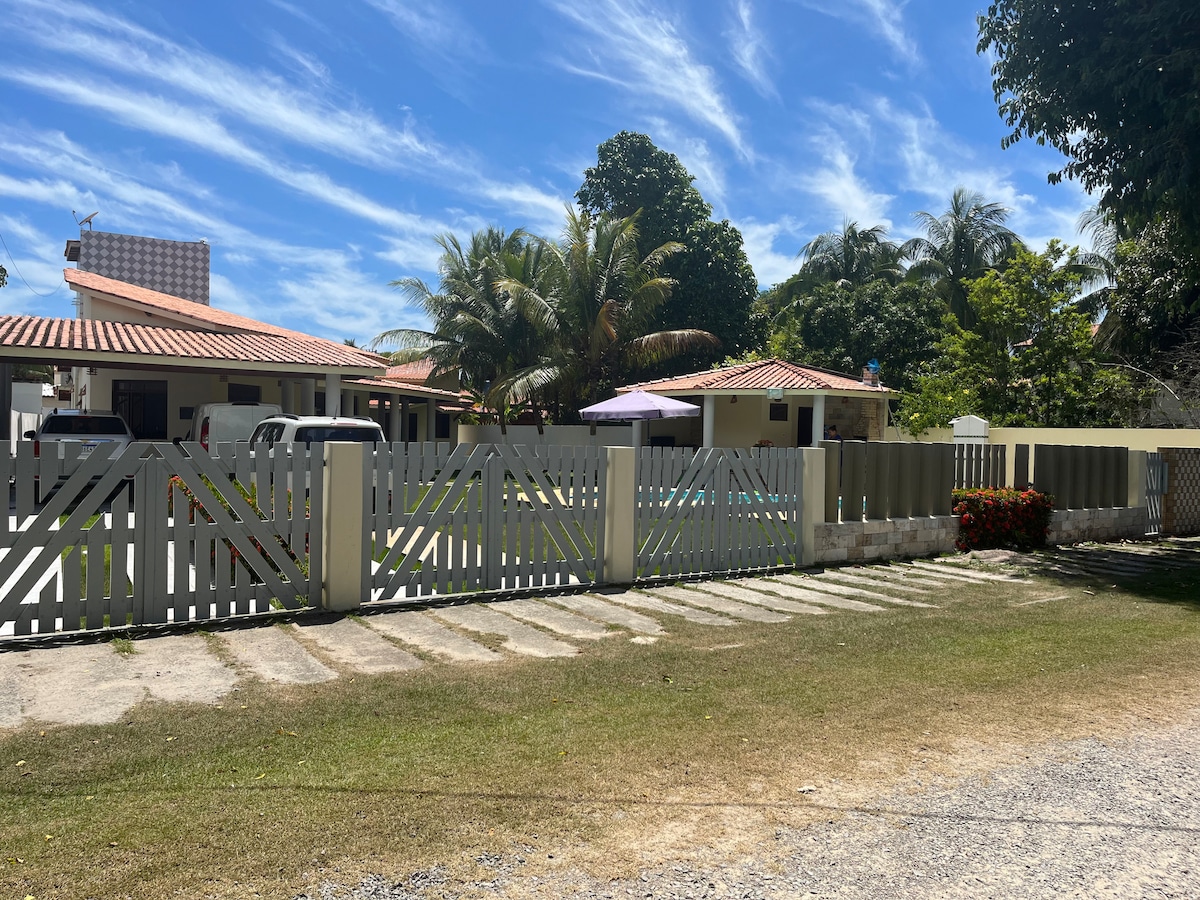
[[143, 404], [442, 427], [779, 412], [319, 433], [244, 393], [83, 425], [187, 413], [319, 404]]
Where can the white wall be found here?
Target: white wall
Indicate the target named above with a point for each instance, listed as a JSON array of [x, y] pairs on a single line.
[[555, 435]]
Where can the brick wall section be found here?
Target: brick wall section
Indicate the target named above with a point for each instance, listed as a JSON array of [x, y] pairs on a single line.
[[885, 538], [1069, 526], [1181, 502]]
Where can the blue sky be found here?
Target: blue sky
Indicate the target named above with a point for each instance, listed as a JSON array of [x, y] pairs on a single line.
[[319, 147]]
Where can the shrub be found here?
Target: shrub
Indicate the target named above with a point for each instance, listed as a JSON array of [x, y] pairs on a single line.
[[1002, 517]]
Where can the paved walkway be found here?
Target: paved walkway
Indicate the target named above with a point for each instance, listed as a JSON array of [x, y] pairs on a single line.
[[94, 683]]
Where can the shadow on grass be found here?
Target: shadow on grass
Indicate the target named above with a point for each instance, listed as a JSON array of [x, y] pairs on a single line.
[[1173, 577]]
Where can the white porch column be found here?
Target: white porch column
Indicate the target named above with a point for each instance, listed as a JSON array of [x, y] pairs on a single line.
[[710, 420], [818, 429], [333, 394], [639, 430], [308, 397], [287, 395], [394, 408]]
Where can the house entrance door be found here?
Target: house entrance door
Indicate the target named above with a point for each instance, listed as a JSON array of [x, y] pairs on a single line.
[[143, 405]]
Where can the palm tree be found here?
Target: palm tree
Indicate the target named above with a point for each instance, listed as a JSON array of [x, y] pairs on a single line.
[[594, 299], [851, 257], [962, 244], [479, 332]]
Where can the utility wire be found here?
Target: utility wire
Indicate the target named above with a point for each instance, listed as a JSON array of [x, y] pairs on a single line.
[[22, 277]]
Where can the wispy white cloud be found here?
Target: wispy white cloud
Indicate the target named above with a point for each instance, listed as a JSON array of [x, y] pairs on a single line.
[[35, 279], [192, 126], [305, 65], [701, 162], [639, 47], [884, 17], [771, 248], [261, 99], [432, 27], [749, 48], [842, 190]]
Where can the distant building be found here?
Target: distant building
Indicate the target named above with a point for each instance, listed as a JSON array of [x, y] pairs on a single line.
[[177, 268]]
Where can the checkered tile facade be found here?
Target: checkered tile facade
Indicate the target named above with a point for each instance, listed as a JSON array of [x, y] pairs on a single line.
[[178, 268], [1181, 500]]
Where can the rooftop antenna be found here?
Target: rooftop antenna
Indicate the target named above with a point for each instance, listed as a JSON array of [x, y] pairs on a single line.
[[86, 220]]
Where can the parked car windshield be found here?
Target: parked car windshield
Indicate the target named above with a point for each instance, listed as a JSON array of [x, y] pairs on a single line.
[[315, 434], [84, 425]]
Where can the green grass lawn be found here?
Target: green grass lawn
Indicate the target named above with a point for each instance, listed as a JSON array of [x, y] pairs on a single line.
[[705, 736]]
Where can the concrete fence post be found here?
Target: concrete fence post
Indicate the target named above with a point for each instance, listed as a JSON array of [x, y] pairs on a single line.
[[812, 505], [342, 548], [620, 510], [1136, 478]]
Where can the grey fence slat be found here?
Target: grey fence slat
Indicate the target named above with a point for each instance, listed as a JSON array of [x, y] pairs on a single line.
[[698, 473], [202, 548], [6, 474], [181, 535], [94, 593], [25, 480], [72, 587], [47, 606], [118, 591]]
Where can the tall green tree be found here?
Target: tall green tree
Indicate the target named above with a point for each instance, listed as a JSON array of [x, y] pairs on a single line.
[[841, 327], [1031, 362], [1113, 85], [597, 300], [963, 243], [1156, 298], [851, 257], [715, 287]]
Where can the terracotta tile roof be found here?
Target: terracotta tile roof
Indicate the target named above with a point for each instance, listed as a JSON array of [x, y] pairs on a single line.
[[396, 385], [755, 376], [208, 316], [94, 335], [417, 371]]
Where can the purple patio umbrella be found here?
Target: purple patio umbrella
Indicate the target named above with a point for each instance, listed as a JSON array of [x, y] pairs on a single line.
[[636, 407]]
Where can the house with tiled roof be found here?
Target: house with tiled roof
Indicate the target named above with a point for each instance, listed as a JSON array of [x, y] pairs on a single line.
[[154, 356], [770, 401]]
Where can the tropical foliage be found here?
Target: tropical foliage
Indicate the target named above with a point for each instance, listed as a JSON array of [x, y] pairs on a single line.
[[530, 323]]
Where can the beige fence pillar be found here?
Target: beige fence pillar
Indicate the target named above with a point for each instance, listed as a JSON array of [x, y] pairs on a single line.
[[620, 509], [812, 504], [1136, 479], [342, 549]]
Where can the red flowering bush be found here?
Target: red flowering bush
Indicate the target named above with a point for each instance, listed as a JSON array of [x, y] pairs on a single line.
[[1002, 517]]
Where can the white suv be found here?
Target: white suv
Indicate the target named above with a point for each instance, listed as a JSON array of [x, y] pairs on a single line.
[[285, 428]]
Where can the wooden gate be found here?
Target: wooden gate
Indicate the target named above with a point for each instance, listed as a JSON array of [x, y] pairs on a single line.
[[717, 510], [483, 517], [162, 533]]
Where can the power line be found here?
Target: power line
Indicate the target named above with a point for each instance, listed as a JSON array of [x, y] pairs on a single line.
[[22, 277]]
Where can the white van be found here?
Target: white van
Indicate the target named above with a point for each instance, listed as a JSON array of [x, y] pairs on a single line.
[[214, 423]]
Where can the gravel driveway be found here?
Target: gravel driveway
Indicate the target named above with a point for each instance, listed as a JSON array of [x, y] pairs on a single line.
[[1087, 819]]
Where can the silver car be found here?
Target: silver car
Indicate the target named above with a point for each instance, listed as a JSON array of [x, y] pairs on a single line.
[[88, 429]]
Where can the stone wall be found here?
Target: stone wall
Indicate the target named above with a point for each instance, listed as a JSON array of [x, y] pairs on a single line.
[[1181, 501], [929, 536], [885, 538], [1069, 526]]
